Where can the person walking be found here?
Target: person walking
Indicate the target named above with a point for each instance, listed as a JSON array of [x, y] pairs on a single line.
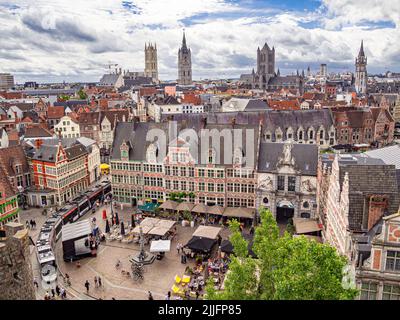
[[53, 293], [58, 291], [150, 296], [87, 286], [47, 296], [62, 290], [64, 294], [99, 280], [27, 224], [168, 296], [95, 281], [35, 283]]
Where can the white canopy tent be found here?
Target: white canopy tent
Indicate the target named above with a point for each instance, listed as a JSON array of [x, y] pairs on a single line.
[[207, 232], [160, 246]]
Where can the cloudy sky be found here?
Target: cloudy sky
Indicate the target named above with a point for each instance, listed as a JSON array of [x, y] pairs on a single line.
[[54, 40]]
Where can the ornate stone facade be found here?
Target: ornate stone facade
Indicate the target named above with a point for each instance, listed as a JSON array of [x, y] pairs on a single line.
[[287, 182]]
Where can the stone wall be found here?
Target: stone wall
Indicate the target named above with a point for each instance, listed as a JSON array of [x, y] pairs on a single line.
[[16, 278]]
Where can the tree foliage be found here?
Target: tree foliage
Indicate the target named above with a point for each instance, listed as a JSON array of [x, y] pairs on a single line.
[[286, 268], [82, 94]]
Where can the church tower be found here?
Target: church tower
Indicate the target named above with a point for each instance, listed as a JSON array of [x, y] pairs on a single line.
[[361, 71], [150, 56], [265, 67], [184, 64]]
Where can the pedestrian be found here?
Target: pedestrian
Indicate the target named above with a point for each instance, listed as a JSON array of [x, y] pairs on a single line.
[[87, 285], [168, 296], [99, 280], [53, 293], [64, 294], [197, 294], [35, 283], [47, 296], [62, 290], [95, 281], [27, 224], [178, 247], [34, 224], [58, 290], [150, 296]]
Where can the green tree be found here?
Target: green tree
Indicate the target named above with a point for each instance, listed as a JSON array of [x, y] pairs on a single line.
[[241, 284], [286, 268], [81, 94]]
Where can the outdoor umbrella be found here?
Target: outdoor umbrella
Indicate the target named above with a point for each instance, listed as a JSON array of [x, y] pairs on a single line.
[[122, 228], [201, 244], [104, 214], [107, 226], [116, 218]]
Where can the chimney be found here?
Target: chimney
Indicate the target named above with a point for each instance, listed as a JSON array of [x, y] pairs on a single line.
[[38, 143]]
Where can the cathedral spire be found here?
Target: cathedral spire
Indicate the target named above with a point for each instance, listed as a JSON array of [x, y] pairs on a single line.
[[184, 40], [361, 53]]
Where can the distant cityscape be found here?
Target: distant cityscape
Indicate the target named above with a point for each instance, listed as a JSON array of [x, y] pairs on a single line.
[[319, 150]]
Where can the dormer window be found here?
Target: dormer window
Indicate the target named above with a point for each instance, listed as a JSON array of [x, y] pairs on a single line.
[[211, 156], [124, 151], [238, 156]]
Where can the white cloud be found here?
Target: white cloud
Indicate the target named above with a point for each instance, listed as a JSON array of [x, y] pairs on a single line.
[[75, 40]]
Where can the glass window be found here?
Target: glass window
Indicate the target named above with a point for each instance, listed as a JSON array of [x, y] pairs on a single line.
[[391, 292], [393, 261], [281, 183], [292, 184], [369, 291]]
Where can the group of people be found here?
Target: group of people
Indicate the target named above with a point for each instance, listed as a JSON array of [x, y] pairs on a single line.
[[97, 283], [57, 293], [31, 224]]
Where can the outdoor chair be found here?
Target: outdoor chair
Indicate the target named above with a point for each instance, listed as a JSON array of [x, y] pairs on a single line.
[[185, 279], [176, 290], [178, 279]]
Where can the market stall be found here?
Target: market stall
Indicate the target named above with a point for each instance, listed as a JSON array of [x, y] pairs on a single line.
[[77, 240]]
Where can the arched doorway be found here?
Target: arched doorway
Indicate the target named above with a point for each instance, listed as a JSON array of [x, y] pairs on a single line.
[[284, 211]]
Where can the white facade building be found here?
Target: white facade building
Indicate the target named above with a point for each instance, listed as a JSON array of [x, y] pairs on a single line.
[[67, 127]]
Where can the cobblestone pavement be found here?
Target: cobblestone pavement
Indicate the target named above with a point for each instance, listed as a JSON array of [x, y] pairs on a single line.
[[158, 277]]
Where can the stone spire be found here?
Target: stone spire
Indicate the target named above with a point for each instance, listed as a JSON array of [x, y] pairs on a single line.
[[184, 40], [361, 53]]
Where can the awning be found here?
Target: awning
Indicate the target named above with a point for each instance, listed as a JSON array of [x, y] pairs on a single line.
[[217, 210], [149, 221], [145, 229], [207, 232], [158, 231], [303, 225], [200, 208], [239, 212], [160, 246], [169, 205], [185, 206], [104, 166], [200, 244], [76, 230], [166, 223], [149, 207]]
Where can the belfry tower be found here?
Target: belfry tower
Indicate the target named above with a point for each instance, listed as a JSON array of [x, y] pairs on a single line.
[[184, 64], [150, 63], [361, 71]]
